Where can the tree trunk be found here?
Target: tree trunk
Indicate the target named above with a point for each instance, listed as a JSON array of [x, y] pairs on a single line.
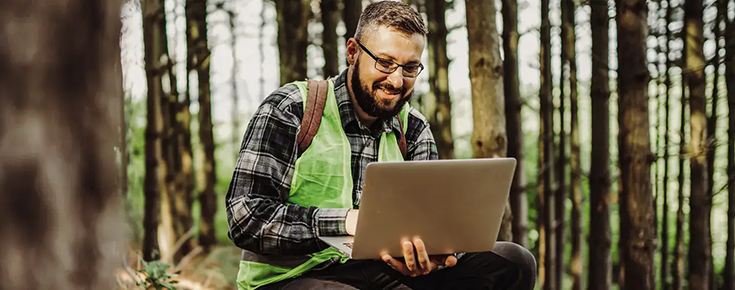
[[330, 18], [293, 38], [699, 217], [679, 243], [154, 182], [514, 124], [575, 183], [196, 10], [486, 76], [441, 126], [730, 81], [600, 234], [236, 132], [351, 11], [636, 218], [60, 218], [665, 189], [547, 239], [561, 161]]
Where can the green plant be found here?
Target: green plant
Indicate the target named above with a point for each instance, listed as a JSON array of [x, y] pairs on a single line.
[[156, 276]]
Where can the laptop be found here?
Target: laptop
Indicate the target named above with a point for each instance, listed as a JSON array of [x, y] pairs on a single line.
[[454, 206]]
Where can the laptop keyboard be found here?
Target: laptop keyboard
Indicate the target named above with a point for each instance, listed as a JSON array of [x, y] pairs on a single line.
[[349, 245]]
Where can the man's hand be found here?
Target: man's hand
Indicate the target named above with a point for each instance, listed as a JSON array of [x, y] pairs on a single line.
[[351, 221], [418, 262]]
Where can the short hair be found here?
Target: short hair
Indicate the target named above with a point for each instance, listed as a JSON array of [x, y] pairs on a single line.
[[393, 14]]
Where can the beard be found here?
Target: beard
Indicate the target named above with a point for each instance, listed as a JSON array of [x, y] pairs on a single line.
[[369, 102]]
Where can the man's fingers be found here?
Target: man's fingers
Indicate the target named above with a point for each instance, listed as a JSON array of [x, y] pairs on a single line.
[[450, 261], [423, 257], [397, 265], [408, 255]]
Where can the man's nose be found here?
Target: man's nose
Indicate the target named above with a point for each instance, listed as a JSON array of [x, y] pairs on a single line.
[[396, 78]]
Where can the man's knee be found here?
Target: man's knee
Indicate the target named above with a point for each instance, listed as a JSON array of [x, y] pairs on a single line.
[[519, 256]]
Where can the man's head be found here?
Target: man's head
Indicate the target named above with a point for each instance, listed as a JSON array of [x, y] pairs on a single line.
[[385, 57]]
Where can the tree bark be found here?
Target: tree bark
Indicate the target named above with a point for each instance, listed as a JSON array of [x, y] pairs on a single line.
[[561, 173], [236, 132], [514, 123], [486, 76], [729, 274], [600, 234], [60, 218], [575, 182], [330, 18], [196, 11], [636, 219], [293, 38], [679, 243], [154, 182], [547, 237], [441, 112], [665, 189], [699, 217], [351, 11]]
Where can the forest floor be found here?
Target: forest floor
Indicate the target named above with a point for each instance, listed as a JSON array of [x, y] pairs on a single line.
[[197, 271]]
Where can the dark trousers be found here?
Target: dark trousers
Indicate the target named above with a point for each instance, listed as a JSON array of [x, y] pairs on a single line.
[[508, 266]]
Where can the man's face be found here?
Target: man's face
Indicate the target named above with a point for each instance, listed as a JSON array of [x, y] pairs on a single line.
[[382, 94]]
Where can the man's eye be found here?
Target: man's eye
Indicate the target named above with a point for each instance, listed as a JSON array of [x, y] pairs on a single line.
[[385, 63], [411, 68]]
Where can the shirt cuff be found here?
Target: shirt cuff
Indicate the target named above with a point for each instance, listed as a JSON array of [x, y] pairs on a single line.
[[331, 221]]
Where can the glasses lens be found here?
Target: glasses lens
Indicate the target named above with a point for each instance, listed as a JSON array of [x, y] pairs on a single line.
[[385, 66]]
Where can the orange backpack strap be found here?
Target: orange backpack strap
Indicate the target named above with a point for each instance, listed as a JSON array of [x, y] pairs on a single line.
[[315, 100]]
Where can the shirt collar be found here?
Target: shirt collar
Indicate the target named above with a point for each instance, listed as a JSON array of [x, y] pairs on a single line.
[[347, 112]]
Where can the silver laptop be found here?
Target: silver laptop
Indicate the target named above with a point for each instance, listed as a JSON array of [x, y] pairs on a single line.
[[454, 206]]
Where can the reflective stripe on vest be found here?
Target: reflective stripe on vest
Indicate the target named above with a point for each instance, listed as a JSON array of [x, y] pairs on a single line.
[[322, 178]]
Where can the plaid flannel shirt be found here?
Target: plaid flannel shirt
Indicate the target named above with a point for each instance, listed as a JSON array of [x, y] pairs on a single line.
[[258, 218]]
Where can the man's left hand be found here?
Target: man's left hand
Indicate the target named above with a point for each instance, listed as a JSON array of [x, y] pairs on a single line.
[[417, 260]]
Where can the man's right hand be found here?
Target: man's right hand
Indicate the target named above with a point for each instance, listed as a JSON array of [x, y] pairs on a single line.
[[351, 221]]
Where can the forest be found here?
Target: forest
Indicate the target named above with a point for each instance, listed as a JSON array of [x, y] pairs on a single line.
[[118, 141]]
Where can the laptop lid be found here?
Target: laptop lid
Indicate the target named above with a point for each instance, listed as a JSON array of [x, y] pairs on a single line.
[[452, 205]]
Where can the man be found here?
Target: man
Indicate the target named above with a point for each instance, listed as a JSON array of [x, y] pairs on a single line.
[[283, 197]]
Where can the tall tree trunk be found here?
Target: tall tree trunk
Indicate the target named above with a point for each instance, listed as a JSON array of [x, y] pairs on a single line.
[[59, 96], [547, 237], [351, 11], [154, 182], [665, 189], [636, 219], [439, 79], [514, 123], [293, 38], [730, 81], [196, 10], [236, 136], [711, 142], [679, 243], [561, 175], [575, 182], [699, 218], [330, 18], [488, 136], [600, 234]]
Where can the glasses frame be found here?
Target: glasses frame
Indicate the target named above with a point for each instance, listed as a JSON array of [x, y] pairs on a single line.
[[394, 65]]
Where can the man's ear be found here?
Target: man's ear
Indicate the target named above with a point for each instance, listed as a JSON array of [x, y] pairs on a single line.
[[352, 51]]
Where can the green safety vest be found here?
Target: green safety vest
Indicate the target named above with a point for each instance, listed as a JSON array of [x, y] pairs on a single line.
[[322, 178]]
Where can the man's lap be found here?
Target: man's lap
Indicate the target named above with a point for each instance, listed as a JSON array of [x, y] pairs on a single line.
[[508, 266]]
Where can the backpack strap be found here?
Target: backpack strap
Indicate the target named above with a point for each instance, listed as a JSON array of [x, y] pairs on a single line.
[[317, 91], [316, 98]]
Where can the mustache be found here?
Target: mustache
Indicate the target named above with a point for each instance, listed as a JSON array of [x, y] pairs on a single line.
[[390, 88]]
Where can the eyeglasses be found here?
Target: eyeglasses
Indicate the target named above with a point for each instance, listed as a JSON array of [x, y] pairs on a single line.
[[388, 66]]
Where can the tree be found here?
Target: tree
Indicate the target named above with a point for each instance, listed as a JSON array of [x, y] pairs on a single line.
[[665, 190], [546, 242], [730, 81], [561, 167], [569, 57], [60, 216], [636, 202], [293, 38], [600, 234], [699, 217], [678, 267], [514, 124], [440, 114], [196, 11], [154, 182], [486, 78], [330, 18], [351, 11]]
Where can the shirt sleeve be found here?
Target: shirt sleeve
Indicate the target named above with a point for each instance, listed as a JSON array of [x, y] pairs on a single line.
[[420, 140], [258, 217]]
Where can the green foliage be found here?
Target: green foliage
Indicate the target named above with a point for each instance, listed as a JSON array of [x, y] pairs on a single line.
[[156, 276]]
